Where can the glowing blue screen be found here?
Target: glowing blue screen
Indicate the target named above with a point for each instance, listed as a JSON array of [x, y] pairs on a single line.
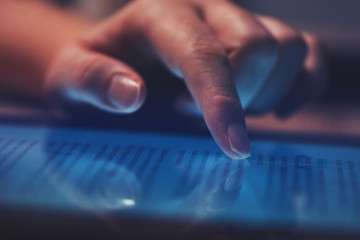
[[296, 186]]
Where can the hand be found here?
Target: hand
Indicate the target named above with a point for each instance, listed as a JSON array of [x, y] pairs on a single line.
[[230, 59]]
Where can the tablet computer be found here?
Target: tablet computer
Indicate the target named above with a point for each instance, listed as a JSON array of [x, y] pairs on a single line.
[[72, 182]]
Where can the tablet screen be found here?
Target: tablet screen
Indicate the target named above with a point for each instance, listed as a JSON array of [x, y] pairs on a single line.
[[283, 185]]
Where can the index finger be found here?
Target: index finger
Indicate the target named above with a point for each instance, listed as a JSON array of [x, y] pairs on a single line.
[[188, 47]]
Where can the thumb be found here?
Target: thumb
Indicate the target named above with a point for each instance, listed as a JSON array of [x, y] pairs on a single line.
[[80, 75]]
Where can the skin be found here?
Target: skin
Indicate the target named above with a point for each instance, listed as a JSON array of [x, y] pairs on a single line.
[[230, 59]]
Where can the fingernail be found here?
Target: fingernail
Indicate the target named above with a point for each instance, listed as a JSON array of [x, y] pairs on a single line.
[[124, 92], [238, 140]]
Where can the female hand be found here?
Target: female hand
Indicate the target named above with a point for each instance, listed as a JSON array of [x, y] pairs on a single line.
[[230, 59]]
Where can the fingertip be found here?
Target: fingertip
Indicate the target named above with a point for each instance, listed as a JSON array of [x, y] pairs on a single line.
[[126, 94], [238, 141]]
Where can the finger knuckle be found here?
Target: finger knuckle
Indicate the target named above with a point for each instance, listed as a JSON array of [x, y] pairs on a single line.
[[312, 39], [313, 42], [206, 49], [88, 72], [221, 100]]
